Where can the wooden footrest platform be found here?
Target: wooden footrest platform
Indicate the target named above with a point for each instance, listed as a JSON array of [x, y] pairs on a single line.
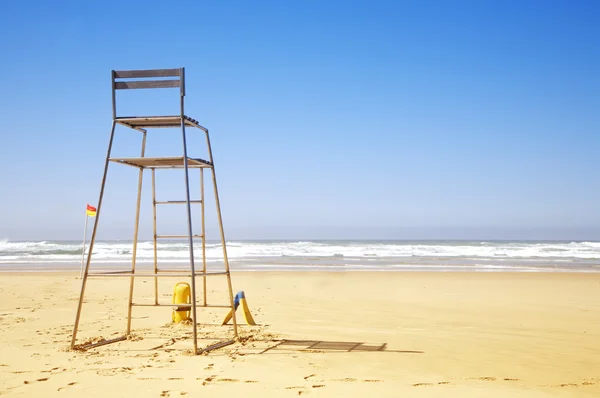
[[163, 162]]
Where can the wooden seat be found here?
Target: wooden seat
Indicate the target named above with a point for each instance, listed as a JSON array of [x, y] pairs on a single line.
[[156, 121]]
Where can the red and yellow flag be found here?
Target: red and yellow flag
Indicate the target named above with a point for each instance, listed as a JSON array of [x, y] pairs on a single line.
[[90, 211]]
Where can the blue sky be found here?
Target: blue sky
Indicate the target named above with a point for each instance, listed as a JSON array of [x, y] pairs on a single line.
[[328, 119]]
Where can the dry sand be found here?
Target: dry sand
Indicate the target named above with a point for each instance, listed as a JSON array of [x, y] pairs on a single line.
[[355, 333]]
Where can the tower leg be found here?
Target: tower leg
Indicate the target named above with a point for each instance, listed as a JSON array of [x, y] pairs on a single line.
[[203, 234], [91, 248], [154, 235], [223, 245], [135, 237], [190, 234]]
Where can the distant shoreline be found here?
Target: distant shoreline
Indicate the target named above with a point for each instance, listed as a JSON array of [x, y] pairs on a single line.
[[431, 256]]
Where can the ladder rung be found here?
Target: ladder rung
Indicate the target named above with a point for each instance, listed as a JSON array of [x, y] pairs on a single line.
[[178, 305], [176, 236], [129, 274], [175, 202], [215, 346], [213, 306], [208, 273], [103, 342], [179, 270], [112, 272], [172, 270]]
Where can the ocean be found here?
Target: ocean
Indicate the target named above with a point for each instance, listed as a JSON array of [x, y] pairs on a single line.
[[480, 256]]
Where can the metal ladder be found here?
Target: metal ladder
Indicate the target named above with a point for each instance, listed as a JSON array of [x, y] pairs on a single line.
[[154, 79]]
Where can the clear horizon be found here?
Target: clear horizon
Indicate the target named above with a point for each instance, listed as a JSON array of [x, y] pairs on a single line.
[[447, 234], [337, 120]]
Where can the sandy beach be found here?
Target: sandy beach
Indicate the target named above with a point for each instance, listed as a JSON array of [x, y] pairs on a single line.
[[387, 334]]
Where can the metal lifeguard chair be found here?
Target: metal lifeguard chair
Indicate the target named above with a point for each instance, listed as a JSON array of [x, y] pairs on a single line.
[[155, 79]]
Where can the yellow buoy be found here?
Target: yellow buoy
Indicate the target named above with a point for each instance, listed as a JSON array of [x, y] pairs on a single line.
[[181, 295]]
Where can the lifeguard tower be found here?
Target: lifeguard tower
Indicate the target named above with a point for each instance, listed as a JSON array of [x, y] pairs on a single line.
[[161, 79]]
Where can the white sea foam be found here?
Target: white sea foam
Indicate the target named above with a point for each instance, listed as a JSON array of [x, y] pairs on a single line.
[[364, 253]]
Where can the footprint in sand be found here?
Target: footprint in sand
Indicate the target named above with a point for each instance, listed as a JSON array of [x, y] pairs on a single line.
[[49, 371], [68, 385], [301, 390], [207, 380], [29, 382]]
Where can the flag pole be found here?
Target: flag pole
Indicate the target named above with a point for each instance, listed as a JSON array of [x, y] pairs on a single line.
[[84, 239]]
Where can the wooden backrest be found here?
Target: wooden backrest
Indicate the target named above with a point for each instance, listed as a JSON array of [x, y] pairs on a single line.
[[144, 80], [148, 83]]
